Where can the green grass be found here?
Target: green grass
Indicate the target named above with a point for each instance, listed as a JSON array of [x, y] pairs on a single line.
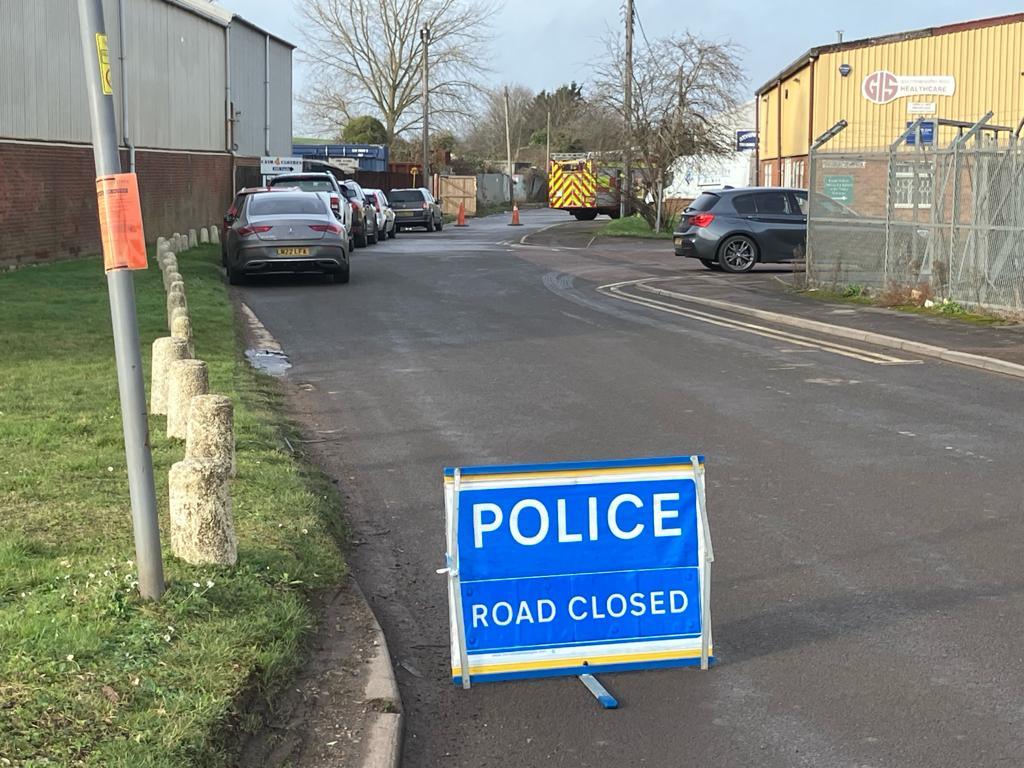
[[632, 226], [855, 294], [90, 675]]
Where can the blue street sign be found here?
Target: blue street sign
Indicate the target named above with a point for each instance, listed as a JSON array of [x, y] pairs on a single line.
[[560, 569], [927, 129], [746, 140]]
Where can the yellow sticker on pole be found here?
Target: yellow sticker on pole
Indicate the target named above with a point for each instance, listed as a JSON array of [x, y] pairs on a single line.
[[124, 243], [106, 82]]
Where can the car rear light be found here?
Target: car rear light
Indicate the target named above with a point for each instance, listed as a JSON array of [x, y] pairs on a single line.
[[335, 204], [702, 219], [426, 206], [326, 228], [252, 230]]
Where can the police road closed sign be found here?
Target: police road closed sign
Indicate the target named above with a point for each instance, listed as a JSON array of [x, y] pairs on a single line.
[[564, 569]]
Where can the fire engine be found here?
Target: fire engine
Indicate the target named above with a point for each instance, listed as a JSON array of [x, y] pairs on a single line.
[[577, 183]]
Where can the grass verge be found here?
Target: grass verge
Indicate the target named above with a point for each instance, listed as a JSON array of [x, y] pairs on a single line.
[[632, 226], [950, 311], [90, 675]]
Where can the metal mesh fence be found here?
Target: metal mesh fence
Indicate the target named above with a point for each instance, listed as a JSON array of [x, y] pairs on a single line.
[[947, 222]]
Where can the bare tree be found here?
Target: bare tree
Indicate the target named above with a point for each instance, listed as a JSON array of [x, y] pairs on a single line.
[[486, 139], [365, 58], [685, 95]]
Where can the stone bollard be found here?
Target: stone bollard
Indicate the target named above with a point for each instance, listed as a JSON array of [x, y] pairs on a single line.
[[179, 312], [178, 286], [181, 326], [175, 299], [161, 245], [171, 275], [204, 235], [214, 234], [211, 430], [193, 241], [176, 241], [202, 524], [166, 350], [187, 379]]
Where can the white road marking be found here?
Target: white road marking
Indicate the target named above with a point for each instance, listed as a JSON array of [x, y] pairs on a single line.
[[617, 290]]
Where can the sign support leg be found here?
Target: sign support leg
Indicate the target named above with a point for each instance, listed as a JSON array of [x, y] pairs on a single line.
[[600, 692], [707, 556], [453, 575]]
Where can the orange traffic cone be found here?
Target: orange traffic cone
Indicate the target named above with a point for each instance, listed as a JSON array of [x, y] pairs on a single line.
[[515, 216], [461, 220]]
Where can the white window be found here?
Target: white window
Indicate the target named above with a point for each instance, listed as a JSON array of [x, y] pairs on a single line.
[[912, 186], [768, 175]]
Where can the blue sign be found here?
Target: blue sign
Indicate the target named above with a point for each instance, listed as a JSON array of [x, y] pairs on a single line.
[[927, 130], [558, 569], [746, 140]]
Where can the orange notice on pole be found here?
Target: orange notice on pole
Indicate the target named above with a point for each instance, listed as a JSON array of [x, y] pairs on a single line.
[[124, 243]]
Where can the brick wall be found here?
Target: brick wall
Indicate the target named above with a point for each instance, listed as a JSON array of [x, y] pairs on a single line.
[[48, 198]]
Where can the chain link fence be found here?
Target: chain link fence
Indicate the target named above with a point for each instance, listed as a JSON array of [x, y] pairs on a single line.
[[946, 223]]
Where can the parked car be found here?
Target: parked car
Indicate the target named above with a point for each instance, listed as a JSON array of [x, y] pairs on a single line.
[[319, 182], [416, 208], [232, 214], [286, 232], [364, 222], [385, 213], [734, 229]]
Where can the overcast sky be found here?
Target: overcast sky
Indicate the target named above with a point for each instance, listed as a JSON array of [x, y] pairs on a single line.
[[544, 43]]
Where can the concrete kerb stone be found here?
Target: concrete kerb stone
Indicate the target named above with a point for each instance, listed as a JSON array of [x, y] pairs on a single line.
[[187, 379], [193, 241], [175, 299], [202, 524], [166, 350], [211, 431], [869, 337], [181, 326], [383, 737], [204, 235]]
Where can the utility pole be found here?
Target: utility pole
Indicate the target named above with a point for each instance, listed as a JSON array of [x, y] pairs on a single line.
[[547, 161], [626, 185], [121, 289], [508, 146], [425, 38]]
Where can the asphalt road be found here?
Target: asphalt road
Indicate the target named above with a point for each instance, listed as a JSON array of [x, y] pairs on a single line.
[[867, 518]]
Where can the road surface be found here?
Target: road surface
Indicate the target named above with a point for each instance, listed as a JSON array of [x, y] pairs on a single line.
[[866, 512]]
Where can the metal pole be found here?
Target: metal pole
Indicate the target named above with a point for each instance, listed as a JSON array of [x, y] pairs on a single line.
[[120, 286], [508, 148], [547, 157], [626, 187], [425, 37], [661, 194]]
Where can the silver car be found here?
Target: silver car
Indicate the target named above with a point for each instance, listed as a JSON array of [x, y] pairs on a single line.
[[385, 213], [285, 233]]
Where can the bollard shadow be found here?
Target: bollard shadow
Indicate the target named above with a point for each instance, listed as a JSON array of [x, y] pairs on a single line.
[[795, 626]]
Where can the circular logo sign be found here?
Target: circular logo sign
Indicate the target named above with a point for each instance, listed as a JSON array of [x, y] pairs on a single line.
[[880, 87]]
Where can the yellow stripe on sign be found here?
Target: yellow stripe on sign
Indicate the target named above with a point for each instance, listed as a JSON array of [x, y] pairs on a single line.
[[622, 658], [103, 56], [567, 473]]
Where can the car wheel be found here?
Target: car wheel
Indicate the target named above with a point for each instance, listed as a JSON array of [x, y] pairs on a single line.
[[397, 230], [440, 225], [351, 244], [429, 226], [585, 215], [376, 236], [737, 253], [342, 275], [361, 241], [394, 232], [235, 276], [711, 264]]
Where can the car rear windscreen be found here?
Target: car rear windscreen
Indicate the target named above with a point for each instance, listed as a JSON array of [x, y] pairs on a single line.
[[286, 205], [406, 196], [705, 202]]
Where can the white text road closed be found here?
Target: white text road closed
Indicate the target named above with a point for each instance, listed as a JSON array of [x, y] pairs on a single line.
[[562, 568]]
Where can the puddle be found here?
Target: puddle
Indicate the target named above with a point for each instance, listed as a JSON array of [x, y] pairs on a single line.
[[269, 361]]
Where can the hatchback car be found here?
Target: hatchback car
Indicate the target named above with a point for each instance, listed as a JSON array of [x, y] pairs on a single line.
[[735, 229], [286, 232], [385, 213], [416, 208], [364, 221]]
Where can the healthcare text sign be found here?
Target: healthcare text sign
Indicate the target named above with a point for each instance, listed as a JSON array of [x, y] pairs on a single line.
[[560, 569]]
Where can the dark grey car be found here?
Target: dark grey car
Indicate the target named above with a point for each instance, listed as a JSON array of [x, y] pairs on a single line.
[[416, 208], [286, 232], [734, 229]]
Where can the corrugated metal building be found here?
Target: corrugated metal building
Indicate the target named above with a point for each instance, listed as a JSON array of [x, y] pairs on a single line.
[[879, 85], [198, 94]]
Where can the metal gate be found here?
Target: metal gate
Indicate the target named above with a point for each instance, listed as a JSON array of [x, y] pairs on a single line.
[[457, 189]]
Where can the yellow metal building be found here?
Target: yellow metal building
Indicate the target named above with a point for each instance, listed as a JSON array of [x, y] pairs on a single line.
[[879, 85]]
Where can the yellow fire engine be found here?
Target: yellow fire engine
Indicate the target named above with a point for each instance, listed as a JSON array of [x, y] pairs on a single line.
[[577, 184]]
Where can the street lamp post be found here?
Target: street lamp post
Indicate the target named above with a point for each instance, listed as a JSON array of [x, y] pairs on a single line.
[[425, 38]]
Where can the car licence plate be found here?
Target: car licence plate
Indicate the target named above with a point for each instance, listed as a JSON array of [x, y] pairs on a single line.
[[678, 241], [405, 213], [293, 251]]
